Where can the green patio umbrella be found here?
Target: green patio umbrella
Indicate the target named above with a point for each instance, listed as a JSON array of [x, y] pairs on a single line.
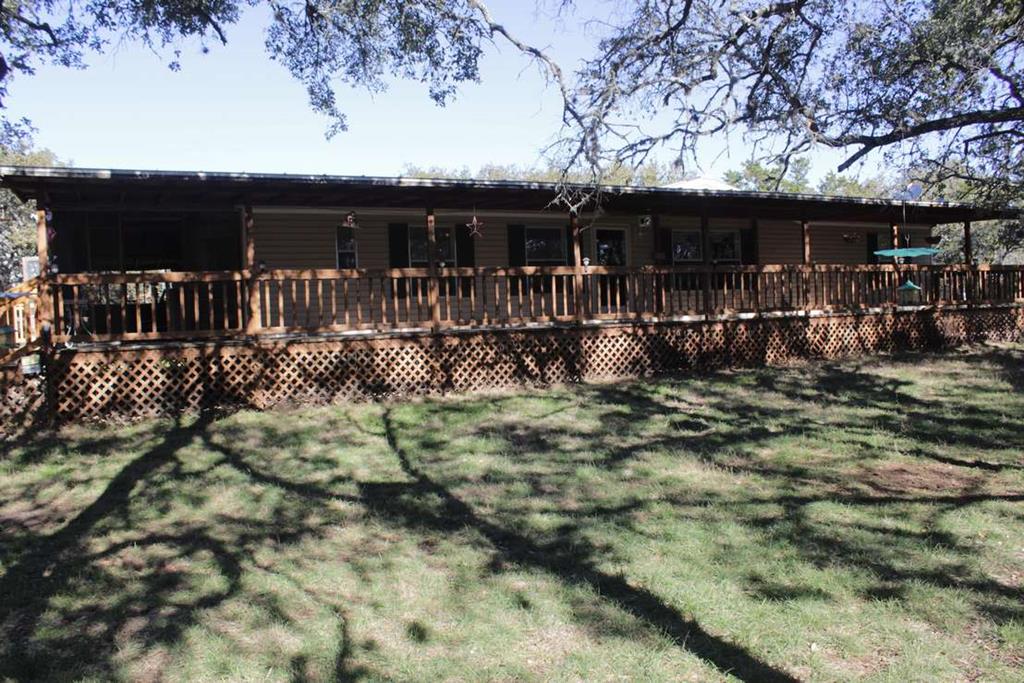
[[907, 252]]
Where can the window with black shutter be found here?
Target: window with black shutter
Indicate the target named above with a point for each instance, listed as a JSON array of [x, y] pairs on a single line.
[[748, 246], [407, 247], [872, 242]]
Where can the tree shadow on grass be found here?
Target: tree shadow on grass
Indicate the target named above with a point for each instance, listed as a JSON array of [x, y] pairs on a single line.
[[1008, 361], [425, 505], [728, 425], [566, 558], [742, 418], [150, 580], [946, 423], [55, 560]]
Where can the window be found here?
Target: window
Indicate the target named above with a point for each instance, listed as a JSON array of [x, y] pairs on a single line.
[[725, 246], [347, 251], [446, 253], [611, 247], [545, 247], [686, 246]]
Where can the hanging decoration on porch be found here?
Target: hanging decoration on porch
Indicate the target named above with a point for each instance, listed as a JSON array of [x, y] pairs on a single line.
[[350, 221], [476, 226]]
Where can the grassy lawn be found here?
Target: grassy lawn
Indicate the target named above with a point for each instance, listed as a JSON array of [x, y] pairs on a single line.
[[853, 520]]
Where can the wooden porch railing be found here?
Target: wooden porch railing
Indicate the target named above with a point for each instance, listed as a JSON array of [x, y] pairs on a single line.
[[18, 312], [145, 306], [230, 303]]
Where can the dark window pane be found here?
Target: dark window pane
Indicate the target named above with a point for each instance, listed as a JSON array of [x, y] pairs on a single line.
[[346, 247], [346, 239], [418, 246], [545, 245], [686, 246], [725, 246]]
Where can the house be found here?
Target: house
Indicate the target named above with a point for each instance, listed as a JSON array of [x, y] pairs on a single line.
[[160, 264]]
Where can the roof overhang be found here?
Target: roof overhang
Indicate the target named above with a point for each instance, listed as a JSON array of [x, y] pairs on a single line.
[[98, 189]]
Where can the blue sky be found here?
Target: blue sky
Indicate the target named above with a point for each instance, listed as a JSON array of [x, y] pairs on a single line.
[[234, 109]]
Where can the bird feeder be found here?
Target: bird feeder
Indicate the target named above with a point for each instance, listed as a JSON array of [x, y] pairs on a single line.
[[909, 294]]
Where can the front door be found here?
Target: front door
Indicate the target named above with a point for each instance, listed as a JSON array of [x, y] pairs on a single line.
[[610, 246], [610, 250]]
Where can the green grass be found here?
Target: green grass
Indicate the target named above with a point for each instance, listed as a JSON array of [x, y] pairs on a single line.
[[852, 520]]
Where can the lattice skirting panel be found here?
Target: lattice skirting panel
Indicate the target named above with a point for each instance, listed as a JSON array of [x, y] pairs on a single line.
[[169, 380], [22, 402]]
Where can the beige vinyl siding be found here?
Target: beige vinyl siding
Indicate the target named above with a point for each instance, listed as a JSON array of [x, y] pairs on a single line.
[[644, 244], [679, 222], [490, 247], [780, 242], [294, 240], [847, 245], [728, 224], [829, 246], [306, 239]]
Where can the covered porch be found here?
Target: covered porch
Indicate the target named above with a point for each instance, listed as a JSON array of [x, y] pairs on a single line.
[[151, 256]]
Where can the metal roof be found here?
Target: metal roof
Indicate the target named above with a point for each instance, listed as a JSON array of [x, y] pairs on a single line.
[[67, 186]]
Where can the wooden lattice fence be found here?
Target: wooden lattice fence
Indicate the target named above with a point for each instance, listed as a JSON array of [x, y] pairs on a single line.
[[22, 401], [166, 380]]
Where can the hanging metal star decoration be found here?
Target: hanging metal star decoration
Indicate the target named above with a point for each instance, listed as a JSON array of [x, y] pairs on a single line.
[[476, 226]]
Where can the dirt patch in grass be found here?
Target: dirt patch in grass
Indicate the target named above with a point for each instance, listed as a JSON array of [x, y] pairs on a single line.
[[926, 478], [31, 517]]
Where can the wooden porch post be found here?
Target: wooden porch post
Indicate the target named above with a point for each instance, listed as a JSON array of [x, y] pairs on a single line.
[[252, 322], [968, 247], [432, 278], [45, 292], [755, 281], [577, 260], [705, 250], [805, 231], [896, 262], [806, 277]]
